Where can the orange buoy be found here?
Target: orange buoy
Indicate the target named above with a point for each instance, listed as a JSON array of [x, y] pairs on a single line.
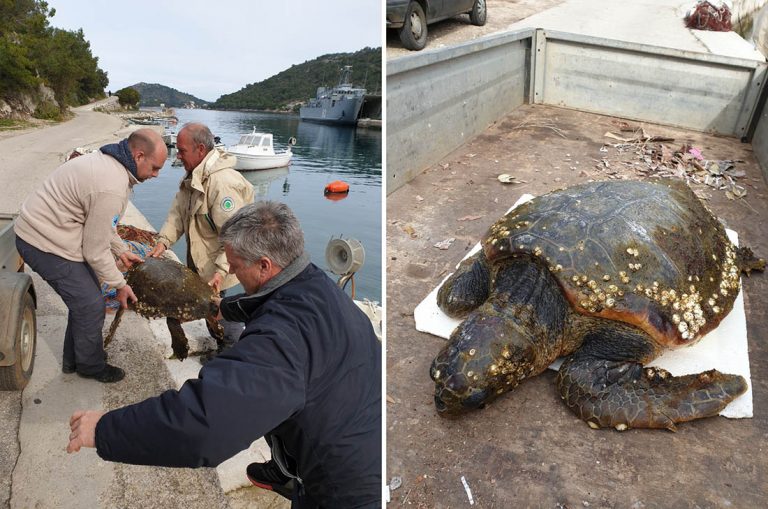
[[337, 186], [335, 196]]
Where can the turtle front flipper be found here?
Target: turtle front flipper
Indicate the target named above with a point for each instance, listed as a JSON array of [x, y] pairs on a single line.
[[179, 342], [624, 394], [466, 288]]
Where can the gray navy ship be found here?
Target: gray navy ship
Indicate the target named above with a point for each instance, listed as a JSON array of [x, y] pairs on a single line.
[[339, 105]]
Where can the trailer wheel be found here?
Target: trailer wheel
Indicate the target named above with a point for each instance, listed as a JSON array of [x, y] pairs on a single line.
[[16, 377], [479, 13], [413, 33]]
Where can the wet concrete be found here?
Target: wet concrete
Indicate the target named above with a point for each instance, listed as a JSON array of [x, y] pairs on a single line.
[[527, 449]]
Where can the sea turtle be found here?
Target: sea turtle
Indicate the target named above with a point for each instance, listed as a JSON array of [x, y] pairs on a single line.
[[606, 274], [167, 288]]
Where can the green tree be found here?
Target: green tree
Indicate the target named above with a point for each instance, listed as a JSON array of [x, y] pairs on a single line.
[[31, 52], [22, 23], [128, 97]]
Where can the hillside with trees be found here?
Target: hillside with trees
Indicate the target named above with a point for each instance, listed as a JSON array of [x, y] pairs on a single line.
[[154, 94], [43, 69], [287, 90]]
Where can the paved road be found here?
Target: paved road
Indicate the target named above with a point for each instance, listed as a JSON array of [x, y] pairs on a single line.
[[26, 159]]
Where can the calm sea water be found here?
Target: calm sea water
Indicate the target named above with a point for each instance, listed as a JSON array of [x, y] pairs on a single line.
[[321, 155]]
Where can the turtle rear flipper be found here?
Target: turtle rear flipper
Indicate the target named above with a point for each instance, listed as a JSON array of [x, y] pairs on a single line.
[[747, 261], [113, 327], [179, 341], [466, 288], [624, 394]]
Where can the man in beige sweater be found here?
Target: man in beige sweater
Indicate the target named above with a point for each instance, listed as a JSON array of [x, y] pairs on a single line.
[[66, 233], [210, 192]]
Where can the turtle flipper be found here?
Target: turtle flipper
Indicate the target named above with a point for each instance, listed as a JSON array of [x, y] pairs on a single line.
[[747, 261], [624, 394], [179, 342], [466, 288], [113, 327]]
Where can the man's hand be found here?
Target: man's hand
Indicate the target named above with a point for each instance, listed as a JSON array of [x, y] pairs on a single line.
[[82, 425], [217, 301], [216, 281], [128, 258], [158, 250], [125, 293]]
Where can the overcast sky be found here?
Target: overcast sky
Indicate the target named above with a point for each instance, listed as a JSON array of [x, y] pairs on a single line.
[[210, 48]]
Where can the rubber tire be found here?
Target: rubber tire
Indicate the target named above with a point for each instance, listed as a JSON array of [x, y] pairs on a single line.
[[479, 13], [16, 377], [406, 34]]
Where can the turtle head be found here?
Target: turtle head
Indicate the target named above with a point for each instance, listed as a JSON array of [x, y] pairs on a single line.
[[485, 357]]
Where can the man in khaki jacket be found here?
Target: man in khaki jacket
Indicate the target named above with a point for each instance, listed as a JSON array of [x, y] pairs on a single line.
[[210, 192], [66, 230]]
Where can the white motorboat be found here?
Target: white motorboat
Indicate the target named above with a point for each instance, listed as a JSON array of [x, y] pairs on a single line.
[[255, 151], [169, 138]]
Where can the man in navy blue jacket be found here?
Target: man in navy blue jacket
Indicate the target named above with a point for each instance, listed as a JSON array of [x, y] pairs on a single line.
[[306, 374]]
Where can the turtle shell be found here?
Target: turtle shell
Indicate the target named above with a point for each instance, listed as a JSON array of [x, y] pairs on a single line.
[[164, 287], [642, 253]]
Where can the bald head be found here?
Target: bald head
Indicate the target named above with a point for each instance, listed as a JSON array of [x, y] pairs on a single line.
[[149, 152], [147, 140]]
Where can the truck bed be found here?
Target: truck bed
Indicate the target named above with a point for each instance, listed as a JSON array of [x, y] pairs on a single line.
[[527, 449]]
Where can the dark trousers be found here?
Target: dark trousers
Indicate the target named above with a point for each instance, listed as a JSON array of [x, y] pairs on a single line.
[[79, 288]]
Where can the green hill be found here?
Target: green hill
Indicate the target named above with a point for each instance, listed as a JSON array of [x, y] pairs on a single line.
[[154, 94], [287, 90]]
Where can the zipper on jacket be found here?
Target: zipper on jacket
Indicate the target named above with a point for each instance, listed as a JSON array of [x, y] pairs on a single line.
[[211, 223], [278, 455]]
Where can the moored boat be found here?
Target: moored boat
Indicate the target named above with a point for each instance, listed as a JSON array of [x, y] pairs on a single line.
[[255, 151], [338, 105]]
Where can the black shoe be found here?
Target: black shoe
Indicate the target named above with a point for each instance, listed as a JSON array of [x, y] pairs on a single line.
[[268, 476], [68, 368], [110, 374]]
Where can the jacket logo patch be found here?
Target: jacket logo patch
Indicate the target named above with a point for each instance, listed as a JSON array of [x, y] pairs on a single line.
[[227, 204], [115, 220]]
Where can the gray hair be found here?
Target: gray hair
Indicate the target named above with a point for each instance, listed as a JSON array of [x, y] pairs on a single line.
[[264, 229], [200, 134]]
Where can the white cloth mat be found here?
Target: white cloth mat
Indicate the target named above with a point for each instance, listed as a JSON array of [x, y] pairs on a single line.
[[724, 348]]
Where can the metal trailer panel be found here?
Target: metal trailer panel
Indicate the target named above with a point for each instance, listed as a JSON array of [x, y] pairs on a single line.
[[695, 91], [760, 136], [438, 100]]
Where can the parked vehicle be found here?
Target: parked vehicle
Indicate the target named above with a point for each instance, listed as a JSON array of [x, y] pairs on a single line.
[[18, 320], [411, 17]]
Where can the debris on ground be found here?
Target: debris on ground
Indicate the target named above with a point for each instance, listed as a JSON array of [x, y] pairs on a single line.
[[445, 244], [410, 230], [466, 488], [648, 156], [506, 178], [535, 123]]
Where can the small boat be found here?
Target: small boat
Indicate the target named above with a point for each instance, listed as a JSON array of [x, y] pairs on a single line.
[[169, 137], [255, 151]]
